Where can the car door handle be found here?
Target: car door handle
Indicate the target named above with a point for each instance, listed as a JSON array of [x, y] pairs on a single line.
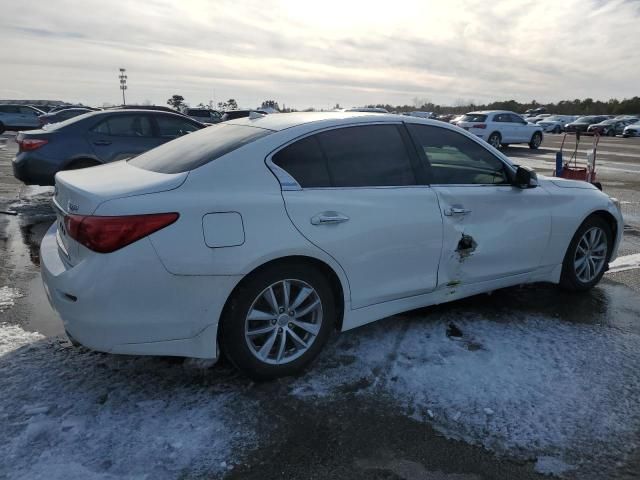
[[327, 218], [102, 142], [456, 211]]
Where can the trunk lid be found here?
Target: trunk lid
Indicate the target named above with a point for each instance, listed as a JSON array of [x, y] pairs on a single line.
[[80, 192]]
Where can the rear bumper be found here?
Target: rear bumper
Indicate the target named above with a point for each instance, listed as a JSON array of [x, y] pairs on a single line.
[[32, 170], [126, 302]]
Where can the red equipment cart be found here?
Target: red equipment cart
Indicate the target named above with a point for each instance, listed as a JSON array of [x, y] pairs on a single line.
[[570, 168]]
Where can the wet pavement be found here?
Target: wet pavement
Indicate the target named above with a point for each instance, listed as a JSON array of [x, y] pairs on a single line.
[[377, 404]]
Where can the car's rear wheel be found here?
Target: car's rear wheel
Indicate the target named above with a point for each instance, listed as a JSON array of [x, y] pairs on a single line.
[[536, 140], [611, 133], [557, 129], [494, 140], [2, 128], [587, 256], [82, 163], [277, 321]]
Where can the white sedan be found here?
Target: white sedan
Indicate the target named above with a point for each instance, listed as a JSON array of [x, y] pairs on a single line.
[[500, 128], [258, 237]]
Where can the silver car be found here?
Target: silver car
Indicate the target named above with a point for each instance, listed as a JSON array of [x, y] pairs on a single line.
[[19, 117]]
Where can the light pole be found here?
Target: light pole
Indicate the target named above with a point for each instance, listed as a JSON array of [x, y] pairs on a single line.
[[123, 84]]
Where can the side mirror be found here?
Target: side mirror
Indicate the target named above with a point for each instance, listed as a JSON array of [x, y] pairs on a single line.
[[525, 177]]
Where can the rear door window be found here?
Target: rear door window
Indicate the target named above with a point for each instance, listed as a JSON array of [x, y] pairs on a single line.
[[358, 156], [304, 161], [125, 126], [367, 156]]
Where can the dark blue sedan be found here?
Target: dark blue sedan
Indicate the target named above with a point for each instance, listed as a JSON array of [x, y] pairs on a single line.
[[93, 139]]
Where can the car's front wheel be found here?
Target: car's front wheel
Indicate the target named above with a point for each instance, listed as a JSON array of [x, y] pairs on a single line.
[[557, 129], [2, 128], [277, 321], [586, 259], [536, 140]]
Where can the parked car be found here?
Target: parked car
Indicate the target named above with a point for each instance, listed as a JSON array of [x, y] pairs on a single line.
[[92, 139], [59, 108], [156, 108], [537, 118], [203, 115], [582, 123], [367, 109], [18, 117], [61, 115], [418, 114], [610, 128], [501, 128], [255, 238], [235, 114], [456, 119], [535, 111], [555, 123], [632, 130]]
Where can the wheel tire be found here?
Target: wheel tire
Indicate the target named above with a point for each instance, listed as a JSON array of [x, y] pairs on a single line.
[[536, 140], [569, 279], [557, 129], [494, 140], [611, 133], [235, 342], [82, 163], [2, 128]]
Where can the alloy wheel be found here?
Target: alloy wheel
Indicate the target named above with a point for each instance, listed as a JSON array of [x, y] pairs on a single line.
[[590, 255], [283, 321]]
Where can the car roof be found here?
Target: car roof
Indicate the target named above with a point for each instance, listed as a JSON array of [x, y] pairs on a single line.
[[283, 121]]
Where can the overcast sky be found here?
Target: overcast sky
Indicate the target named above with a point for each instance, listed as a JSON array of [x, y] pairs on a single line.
[[319, 53]]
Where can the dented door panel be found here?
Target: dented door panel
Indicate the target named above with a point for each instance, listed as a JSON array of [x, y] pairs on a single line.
[[491, 232]]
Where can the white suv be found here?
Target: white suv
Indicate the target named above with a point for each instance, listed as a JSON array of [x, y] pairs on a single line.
[[501, 127]]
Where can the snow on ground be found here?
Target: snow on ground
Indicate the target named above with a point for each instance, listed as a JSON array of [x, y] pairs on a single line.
[[628, 262], [72, 414], [8, 296], [526, 386]]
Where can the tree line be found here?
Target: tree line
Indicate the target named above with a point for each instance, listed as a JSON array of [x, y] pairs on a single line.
[[588, 106]]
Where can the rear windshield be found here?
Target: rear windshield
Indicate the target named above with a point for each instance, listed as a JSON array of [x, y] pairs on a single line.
[[473, 117], [198, 148]]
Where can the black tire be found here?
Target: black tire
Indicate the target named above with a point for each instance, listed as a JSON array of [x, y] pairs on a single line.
[[557, 129], [495, 140], [536, 140], [2, 128], [611, 133], [569, 279], [234, 345], [82, 163]]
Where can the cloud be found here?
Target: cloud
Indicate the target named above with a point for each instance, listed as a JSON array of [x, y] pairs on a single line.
[[319, 53]]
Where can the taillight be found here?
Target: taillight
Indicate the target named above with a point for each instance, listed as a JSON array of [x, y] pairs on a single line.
[[479, 125], [28, 144], [108, 234]]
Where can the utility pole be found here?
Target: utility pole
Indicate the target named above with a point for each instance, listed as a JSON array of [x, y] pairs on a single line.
[[123, 84]]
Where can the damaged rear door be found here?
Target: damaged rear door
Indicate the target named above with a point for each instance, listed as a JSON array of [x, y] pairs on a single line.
[[491, 228]]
